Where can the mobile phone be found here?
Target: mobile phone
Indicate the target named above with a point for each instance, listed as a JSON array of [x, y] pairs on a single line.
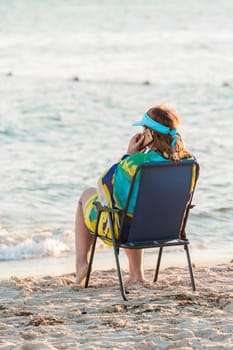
[[148, 138]]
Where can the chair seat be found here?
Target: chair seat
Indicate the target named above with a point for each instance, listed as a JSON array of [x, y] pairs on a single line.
[[153, 244]]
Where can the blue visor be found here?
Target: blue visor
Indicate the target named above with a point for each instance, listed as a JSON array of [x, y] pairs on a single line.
[[162, 129]]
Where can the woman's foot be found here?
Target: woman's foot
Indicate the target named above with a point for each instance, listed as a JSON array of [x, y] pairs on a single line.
[[131, 284], [81, 274]]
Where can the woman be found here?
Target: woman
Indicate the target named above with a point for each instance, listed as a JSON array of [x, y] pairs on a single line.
[[113, 186]]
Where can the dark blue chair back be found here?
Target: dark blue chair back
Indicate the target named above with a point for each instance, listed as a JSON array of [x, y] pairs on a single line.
[[162, 202]]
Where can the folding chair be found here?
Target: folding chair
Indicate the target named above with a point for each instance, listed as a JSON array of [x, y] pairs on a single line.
[[163, 202]]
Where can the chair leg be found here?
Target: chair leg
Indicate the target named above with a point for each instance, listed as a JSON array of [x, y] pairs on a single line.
[[91, 261], [116, 253], [190, 267], [122, 288], [158, 264]]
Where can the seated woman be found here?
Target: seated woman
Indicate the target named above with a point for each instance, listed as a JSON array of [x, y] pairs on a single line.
[[113, 186]]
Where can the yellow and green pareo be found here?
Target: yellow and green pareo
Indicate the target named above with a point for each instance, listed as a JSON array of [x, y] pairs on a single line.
[[113, 188]]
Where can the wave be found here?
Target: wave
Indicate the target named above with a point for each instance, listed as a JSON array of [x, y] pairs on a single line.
[[21, 245]]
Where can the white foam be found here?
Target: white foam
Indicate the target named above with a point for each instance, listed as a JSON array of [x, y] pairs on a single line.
[[19, 246]]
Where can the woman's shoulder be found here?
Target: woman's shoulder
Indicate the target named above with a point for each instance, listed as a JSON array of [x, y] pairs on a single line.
[[151, 156], [139, 158], [184, 155]]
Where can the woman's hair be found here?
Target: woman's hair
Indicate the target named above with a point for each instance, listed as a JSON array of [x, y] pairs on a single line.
[[162, 143]]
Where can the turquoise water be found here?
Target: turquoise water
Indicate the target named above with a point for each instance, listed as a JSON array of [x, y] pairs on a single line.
[[57, 134]]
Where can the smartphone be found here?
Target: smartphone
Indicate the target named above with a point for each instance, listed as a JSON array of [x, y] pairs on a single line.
[[148, 138]]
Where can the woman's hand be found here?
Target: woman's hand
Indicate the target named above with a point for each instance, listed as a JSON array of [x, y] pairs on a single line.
[[135, 143]]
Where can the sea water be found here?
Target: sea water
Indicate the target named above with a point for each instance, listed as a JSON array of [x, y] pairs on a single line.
[[74, 76]]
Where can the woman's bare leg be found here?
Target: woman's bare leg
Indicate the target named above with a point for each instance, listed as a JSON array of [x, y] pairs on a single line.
[[83, 239], [135, 258]]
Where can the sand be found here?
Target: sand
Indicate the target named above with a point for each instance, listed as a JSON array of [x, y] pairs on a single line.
[[54, 313]]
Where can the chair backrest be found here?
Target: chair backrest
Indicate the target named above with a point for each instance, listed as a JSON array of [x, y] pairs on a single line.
[[163, 201]]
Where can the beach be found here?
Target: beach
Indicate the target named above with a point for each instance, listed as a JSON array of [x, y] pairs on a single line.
[[52, 312], [74, 77]]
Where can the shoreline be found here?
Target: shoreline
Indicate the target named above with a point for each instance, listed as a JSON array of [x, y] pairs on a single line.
[[104, 259], [47, 312]]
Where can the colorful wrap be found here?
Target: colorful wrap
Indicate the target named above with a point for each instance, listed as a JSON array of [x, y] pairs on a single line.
[[113, 188], [90, 219], [105, 196]]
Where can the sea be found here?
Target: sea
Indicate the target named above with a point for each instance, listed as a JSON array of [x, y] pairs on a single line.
[[74, 76]]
